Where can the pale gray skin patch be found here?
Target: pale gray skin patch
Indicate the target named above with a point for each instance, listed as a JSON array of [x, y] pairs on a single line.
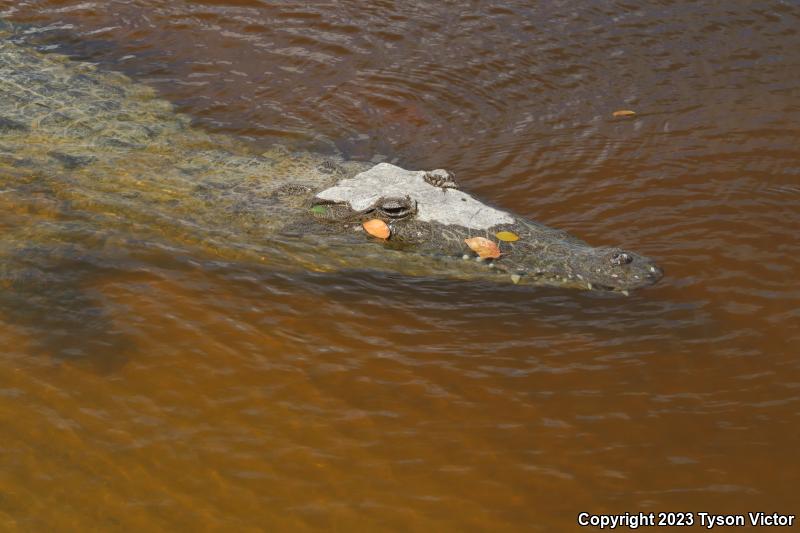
[[434, 204]]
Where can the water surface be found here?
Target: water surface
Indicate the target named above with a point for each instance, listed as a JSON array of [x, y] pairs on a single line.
[[165, 394]]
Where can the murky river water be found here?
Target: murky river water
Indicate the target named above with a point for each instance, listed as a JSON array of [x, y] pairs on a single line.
[[236, 398]]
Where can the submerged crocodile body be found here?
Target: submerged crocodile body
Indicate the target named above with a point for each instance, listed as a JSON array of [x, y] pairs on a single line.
[[107, 166]]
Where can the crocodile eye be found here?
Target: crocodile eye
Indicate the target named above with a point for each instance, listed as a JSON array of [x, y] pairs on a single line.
[[621, 258], [397, 207]]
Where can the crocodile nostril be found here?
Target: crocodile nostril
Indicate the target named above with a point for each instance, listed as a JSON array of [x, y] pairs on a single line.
[[621, 258]]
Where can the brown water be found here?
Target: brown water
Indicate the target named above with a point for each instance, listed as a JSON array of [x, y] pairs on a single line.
[[160, 397]]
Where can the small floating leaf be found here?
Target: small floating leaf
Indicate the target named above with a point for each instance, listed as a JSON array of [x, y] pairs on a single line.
[[483, 247], [507, 236], [623, 113], [319, 210], [377, 228]]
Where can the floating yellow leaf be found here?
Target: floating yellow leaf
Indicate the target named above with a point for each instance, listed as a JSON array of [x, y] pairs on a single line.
[[507, 236], [377, 228], [623, 113], [483, 247]]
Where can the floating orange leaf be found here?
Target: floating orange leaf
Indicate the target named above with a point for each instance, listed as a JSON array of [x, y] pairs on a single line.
[[483, 247], [507, 236], [623, 113], [377, 228]]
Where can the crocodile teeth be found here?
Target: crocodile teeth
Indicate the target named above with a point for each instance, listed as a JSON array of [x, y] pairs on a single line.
[[515, 278], [626, 293], [589, 286]]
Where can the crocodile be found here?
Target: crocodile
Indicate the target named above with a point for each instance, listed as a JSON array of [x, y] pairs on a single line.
[[94, 164]]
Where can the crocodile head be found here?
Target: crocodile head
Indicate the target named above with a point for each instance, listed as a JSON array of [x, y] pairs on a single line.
[[429, 217]]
